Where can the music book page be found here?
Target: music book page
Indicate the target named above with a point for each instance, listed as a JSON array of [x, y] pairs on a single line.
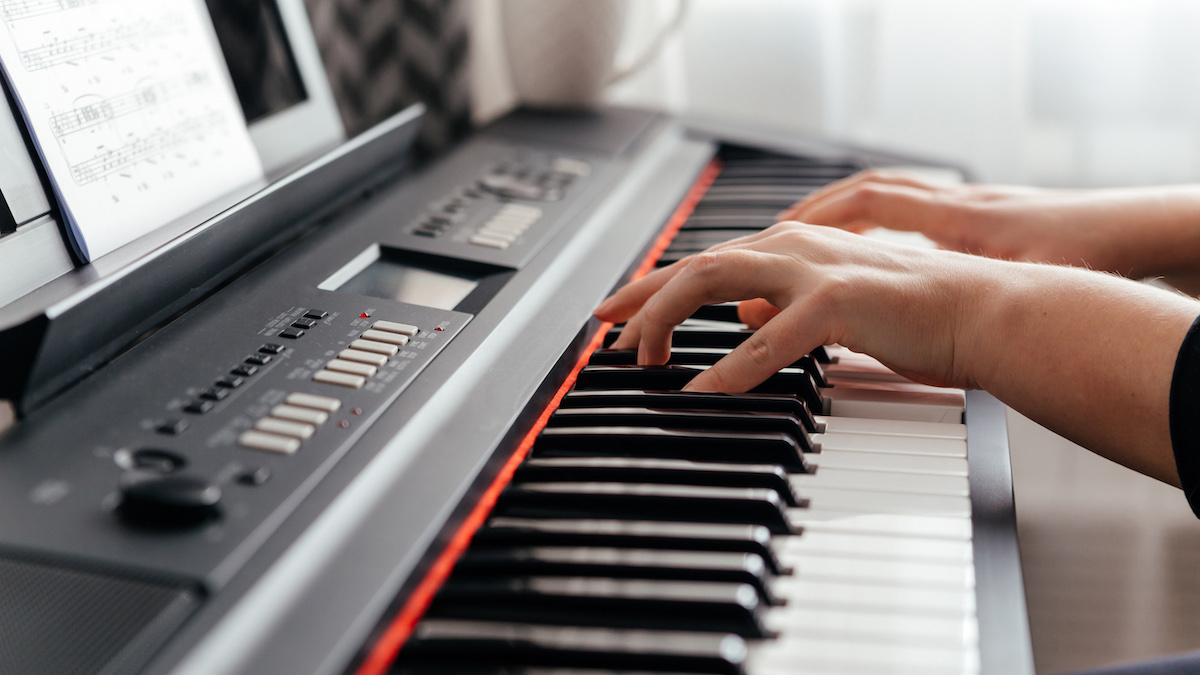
[[131, 108]]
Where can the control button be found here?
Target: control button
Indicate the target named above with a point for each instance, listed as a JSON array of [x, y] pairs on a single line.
[[425, 233], [340, 379], [490, 242], [315, 314], [393, 327], [382, 336], [214, 394], [285, 428], [363, 357], [284, 411], [254, 477], [198, 407], [261, 440], [323, 403], [173, 500], [229, 382], [303, 324], [291, 334], [573, 167], [244, 370], [352, 367], [158, 461], [258, 359], [172, 427], [374, 347], [271, 348]]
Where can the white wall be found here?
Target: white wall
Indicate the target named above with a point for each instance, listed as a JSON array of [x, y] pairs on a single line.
[[1056, 92]]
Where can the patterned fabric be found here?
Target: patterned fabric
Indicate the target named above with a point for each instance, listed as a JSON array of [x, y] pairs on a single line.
[[382, 55]]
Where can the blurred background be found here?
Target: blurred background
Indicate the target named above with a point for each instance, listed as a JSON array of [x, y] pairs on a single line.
[[1061, 93]]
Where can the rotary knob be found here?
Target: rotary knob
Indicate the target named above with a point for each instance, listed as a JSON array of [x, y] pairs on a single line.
[[167, 501]]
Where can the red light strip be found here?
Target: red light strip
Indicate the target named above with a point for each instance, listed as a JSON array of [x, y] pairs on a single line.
[[381, 656]]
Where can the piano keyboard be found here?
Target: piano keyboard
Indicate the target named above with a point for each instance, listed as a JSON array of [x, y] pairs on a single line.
[[818, 524]]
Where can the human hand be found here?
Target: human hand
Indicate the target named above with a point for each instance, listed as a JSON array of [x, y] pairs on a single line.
[[809, 286], [1135, 232]]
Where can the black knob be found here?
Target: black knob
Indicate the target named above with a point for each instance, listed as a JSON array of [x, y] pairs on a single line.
[[167, 501]]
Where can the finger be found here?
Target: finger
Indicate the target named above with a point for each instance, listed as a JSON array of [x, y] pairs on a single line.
[[776, 345], [631, 333], [623, 304], [796, 211], [712, 277], [755, 313], [894, 207]]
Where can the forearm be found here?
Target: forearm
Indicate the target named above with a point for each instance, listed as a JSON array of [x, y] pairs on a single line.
[[1088, 355], [1143, 232]]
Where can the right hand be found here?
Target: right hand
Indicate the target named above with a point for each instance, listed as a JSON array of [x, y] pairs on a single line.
[[1135, 232]]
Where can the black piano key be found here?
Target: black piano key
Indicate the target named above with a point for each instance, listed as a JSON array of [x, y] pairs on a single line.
[[689, 335], [721, 447], [720, 221], [463, 643], [667, 471], [612, 603], [628, 501], [694, 420], [617, 563], [452, 668], [691, 400], [673, 378], [506, 531], [725, 311], [696, 356]]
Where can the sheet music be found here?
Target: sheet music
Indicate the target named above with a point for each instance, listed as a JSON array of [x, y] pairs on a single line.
[[131, 108]]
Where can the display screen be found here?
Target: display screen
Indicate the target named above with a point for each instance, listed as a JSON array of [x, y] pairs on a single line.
[[260, 60], [415, 285]]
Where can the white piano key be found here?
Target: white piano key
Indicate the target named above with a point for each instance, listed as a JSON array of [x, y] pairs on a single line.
[[850, 370], [821, 655], [888, 627], [872, 546], [895, 405], [950, 576], [881, 481], [851, 594], [896, 445], [907, 386], [834, 456], [840, 499], [823, 520], [862, 425]]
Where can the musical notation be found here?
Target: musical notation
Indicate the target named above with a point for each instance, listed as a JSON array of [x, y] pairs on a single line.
[[92, 114], [15, 10], [131, 109], [91, 44]]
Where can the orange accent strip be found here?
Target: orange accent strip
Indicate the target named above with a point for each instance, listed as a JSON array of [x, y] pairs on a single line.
[[381, 656]]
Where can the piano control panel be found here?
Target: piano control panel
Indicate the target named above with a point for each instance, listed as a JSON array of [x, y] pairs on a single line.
[[506, 211]]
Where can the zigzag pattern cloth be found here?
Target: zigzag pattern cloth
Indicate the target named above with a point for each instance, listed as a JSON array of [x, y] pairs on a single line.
[[383, 55]]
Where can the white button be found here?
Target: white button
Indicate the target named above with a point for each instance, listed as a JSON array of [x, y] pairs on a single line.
[[376, 347], [509, 237], [502, 227], [393, 327], [571, 166], [340, 379], [285, 428], [522, 210], [382, 336], [511, 219], [352, 367], [484, 240], [315, 402], [259, 440], [298, 414], [363, 357]]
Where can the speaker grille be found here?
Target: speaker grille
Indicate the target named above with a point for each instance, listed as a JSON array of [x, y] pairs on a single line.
[[58, 619]]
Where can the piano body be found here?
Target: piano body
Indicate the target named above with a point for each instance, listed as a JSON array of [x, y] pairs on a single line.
[[362, 421]]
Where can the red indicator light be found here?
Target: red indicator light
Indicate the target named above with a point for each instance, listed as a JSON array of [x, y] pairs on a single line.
[[438, 329], [344, 424], [364, 315], [356, 411]]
